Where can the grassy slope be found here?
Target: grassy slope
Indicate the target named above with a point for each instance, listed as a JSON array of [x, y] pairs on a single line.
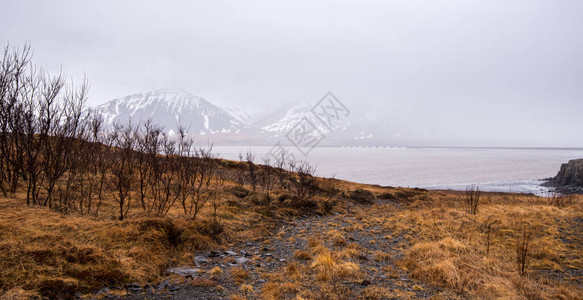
[[44, 252]]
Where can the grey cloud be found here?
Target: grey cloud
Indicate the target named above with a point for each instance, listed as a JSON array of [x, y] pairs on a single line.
[[498, 72]]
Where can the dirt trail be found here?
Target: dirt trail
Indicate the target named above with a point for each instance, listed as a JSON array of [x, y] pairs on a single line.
[[274, 253]]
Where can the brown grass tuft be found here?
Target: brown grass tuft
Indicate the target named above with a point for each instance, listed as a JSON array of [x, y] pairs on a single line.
[[239, 274], [285, 290], [203, 282], [381, 256], [302, 255]]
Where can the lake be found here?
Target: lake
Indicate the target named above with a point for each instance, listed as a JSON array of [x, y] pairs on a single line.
[[493, 169]]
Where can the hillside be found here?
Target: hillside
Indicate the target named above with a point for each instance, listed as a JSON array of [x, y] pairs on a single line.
[[340, 241]]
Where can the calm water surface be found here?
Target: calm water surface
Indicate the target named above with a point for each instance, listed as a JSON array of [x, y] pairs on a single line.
[[516, 170]]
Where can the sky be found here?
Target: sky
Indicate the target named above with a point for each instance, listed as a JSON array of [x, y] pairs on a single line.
[[498, 73]]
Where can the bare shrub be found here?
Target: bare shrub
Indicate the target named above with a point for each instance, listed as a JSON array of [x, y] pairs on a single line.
[[14, 65], [186, 168], [252, 173], [303, 184], [240, 171], [216, 202], [471, 199], [327, 205], [65, 126], [42, 131], [523, 249], [489, 226], [361, 196], [148, 163], [164, 194], [200, 172], [561, 201], [280, 163], [91, 168], [121, 166], [239, 192], [267, 176]]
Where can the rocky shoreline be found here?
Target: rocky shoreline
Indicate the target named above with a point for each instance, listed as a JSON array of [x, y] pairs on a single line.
[[569, 180]]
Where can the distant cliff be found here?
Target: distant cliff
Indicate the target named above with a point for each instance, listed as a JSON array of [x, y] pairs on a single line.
[[570, 177]]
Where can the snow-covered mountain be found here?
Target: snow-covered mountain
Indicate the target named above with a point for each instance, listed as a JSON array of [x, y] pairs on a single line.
[[287, 117], [169, 108], [230, 126], [399, 126]]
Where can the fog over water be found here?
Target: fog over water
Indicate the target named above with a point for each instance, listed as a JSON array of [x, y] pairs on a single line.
[[462, 73]]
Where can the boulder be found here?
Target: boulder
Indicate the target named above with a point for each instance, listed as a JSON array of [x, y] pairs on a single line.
[[185, 272]]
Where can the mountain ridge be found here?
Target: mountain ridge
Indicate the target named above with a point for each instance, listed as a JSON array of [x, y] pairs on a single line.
[[173, 107]]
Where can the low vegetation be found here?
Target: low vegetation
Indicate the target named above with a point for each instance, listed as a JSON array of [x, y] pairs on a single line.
[[515, 246]]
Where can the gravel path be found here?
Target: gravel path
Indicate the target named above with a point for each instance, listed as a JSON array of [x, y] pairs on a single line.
[[277, 251]]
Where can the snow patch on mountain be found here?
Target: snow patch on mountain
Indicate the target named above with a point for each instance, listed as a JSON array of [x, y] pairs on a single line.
[[242, 116], [288, 117]]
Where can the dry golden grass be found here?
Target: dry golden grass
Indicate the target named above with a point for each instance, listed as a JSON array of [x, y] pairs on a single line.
[[443, 246], [202, 282], [215, 272], [375, 293], [329, 267], [42, 250], [381, 256], [337, 238], [237, 297], [302, 255], [239, 274], [349, 252], [448, 247], [278, 290]]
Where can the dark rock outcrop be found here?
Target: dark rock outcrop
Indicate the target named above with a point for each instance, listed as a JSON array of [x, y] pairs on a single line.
[[569, 179]]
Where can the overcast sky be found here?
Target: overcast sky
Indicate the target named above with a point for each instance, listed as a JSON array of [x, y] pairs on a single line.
[[499, 72]]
